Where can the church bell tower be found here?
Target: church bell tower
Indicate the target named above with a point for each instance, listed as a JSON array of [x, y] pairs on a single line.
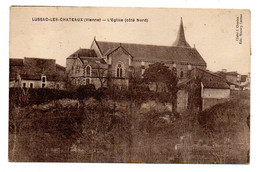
[[181, 41]]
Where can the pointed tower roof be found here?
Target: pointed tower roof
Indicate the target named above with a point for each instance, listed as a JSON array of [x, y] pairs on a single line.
[[181, 41]]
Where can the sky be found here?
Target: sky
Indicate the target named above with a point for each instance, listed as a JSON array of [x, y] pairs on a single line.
[[212, 31]]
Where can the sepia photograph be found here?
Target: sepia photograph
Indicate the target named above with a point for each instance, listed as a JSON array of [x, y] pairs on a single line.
[[129, 85]]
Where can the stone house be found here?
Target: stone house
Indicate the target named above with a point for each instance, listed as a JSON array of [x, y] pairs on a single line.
[[36, 73], [211, 89], [234, 78], [123, 59]]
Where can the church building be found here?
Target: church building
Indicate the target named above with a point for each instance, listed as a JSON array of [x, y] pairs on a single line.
[[118, 60]]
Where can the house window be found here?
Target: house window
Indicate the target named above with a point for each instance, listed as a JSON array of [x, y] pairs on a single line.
[[88, 71], [143, 72], [31, 85], [119, 71], [43, 78], [189, 67], [181, 74], [130, 61], [87, 81], [77, 81], [24, 84]]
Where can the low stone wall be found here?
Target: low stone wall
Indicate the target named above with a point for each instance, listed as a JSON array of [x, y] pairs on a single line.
[[156, 106]]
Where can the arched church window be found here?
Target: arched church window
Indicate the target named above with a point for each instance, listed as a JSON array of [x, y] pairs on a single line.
[[88, 71], [119, 71]]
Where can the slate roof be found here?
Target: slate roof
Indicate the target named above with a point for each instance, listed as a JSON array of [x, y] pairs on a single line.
[[220, 73], [206, 84], [39, 63], [233, 73], [33, 68], [83, 53], [145, 52], [215, 81], [60, 68], [215, 85], [211, 73], [92, 60]]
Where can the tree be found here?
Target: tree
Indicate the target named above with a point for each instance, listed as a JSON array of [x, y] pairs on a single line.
[[194, 89], [101, 72], [171, 84], [161, 75]]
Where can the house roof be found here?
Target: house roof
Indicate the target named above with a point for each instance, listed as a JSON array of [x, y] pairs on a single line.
[[33, 68], [15, 62], [220, 73], [39, 64], [83, 53], [215, 85], [60, 68], [92, 60], [233, 73], [206, 84], [211, 73], [232, 83], [145, 52], [212, 80]]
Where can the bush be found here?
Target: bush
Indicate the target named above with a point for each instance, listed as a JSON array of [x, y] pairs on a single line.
[[28, 96]]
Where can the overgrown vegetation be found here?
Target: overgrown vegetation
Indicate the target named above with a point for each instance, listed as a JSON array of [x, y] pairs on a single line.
[[134, 125], [120, 130]]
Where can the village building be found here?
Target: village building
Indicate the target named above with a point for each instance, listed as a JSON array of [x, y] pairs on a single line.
[[245, 81], [233, 78], [211, 89], [36, 73], [123, 59]]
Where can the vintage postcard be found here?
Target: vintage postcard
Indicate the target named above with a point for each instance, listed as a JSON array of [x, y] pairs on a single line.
[[129, 85]]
